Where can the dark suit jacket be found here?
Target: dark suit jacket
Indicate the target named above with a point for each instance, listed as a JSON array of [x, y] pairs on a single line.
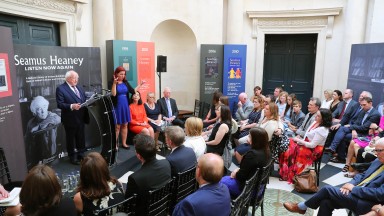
[[152, 175], [211, 199], [340, 106], [181, 159], [301, 131], [374, 190], [349, 113], [164, 109], [64, 98], [362, 129]]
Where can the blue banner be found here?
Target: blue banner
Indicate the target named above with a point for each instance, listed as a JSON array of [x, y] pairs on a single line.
[[234, 70]]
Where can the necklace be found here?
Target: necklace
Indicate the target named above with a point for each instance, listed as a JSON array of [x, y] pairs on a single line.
[[151, 106]]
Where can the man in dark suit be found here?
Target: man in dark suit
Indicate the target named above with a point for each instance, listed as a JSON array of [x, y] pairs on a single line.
[[313, 106], [69, 96], [168, 108], [358, 126], [212, 198], [181, 158], [153, 173], [359, 195]]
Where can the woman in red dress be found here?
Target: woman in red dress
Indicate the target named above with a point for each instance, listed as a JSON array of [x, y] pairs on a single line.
[[139, 121], [302, 152]]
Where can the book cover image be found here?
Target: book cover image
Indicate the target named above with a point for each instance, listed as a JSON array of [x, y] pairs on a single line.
[[211, 67], [5, 79], [126, 62]]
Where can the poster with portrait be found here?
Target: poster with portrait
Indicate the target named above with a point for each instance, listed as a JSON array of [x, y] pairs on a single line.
[[5, 77], [40, 69]]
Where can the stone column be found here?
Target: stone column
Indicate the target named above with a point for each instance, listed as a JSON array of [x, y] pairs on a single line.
[[235, 19], [103, 30], [355, 16]]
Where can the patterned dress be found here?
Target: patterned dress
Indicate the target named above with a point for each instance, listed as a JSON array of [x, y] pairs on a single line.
[[116, 196]]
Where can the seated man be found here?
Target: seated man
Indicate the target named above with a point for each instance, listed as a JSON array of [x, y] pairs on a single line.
[[296, 120], [244, 107], [168, 108], [153, 173], [313, 106], [359, 195], [359, 126], [212, 197], [181, 158]]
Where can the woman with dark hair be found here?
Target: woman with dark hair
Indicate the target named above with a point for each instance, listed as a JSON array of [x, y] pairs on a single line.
[[97, 189], [257, 157], [224, 100], [120, 95], [139, 121], [220, 132], [211, 116], [287, 115], [41, 194], [337, 98], [302, 152]]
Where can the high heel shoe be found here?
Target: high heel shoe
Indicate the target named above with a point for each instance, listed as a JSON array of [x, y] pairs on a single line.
[[125, 146]]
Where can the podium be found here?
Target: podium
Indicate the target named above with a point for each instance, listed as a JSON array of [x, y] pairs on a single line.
[[102, 110]]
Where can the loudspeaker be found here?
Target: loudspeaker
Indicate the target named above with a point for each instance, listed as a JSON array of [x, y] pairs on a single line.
[[161, 63]]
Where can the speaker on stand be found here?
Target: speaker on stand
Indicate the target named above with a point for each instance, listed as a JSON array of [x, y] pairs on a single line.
[[161, 67]]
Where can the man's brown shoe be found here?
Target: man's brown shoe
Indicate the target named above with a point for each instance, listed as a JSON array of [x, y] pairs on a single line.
[[292, 207]]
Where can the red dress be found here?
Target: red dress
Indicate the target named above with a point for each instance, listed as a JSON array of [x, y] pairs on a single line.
[[138, 116]]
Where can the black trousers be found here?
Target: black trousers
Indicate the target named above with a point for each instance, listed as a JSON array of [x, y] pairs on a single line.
[[75, 138]]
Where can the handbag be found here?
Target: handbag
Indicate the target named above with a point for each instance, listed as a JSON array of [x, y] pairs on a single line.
[[279, 144], [305, 182]]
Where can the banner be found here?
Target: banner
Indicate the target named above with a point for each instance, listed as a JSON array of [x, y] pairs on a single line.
[[40, 69], [11, 133], [234, 73], [366, 70], [146, 68], [211, 67]]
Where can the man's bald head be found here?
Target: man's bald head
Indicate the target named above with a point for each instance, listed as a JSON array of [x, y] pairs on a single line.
[[167, 92], [210, 168], [243, 97]]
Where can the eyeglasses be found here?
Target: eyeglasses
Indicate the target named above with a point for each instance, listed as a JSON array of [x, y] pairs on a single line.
[[152, 97], [378, 150]]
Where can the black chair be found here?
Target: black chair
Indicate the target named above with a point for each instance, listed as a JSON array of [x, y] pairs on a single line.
[[204, 109], [159, 200], [257, 199], [5, 175], [184, 184], [239, 206], [317, 164], [196, 110], [127, 207]]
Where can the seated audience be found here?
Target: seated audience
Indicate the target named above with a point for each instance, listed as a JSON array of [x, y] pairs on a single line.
[[268, 98], [303, 151], [253, 119], [287, 115], [153, 173], [297, 119], [337, 97], [359, 195], [276, 94], [220, 133], [139, 122], [181, 158], [313, 106], [152, 110], [211, 117], [328, 99], [345, 109], [244, 107], [212, 197], [168, 108], [282, 103], [224, 100], [256, 157], [97, 190], [359, 126], [193, 139], [257, 92], [41, 194], [376, 210]]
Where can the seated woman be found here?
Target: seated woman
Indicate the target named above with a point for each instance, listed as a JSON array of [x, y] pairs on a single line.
[[211, 116], [337, 97], [328, 99], [152, 109], [256, 157], [302, 152], [253, 118], [282, 103], [287, 116], [363, 142], [220, 132], [194, 140], [41, 194], [270, 123], [97, 189], [139, 121]]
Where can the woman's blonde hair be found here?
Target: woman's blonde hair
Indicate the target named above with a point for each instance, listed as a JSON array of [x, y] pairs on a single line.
[[193, 126]]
